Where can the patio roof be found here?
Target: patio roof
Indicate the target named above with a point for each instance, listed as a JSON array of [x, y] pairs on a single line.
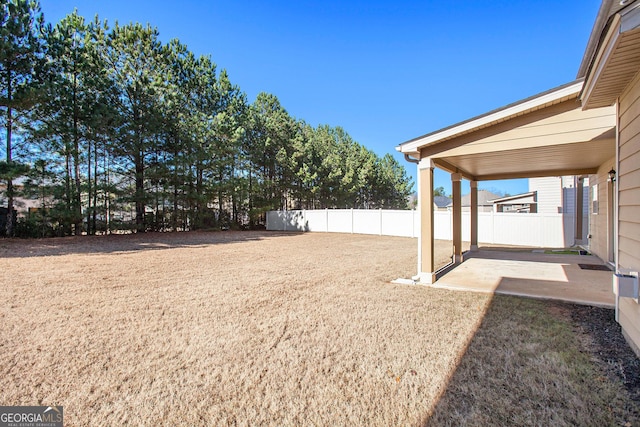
[[546, 135]]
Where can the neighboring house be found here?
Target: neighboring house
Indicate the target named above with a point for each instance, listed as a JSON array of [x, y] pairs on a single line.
[[484, 204], [589, 128], [442, 203], [21, 205], [518, 203]]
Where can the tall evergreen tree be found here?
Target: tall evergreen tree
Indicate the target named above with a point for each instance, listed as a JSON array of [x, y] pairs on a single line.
[[125, 122], [21, 52], [135, 66]]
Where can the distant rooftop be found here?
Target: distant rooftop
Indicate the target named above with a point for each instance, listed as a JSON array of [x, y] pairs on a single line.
[[485, 198], [442, 201]]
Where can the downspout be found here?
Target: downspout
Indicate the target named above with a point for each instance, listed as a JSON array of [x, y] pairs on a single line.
[[410, 159]]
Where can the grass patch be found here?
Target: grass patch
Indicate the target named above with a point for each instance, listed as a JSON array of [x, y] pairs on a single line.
[[566, 252], [526, 365], [258, 328]]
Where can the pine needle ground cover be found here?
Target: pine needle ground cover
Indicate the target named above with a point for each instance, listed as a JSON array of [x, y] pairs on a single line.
[[287, 329]]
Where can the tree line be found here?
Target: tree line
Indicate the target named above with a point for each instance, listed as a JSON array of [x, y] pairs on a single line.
[[109, 128]]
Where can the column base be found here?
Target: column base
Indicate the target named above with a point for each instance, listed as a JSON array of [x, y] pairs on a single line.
[[424, 278], [473, 248]]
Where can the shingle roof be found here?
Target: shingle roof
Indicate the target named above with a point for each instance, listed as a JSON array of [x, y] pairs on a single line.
[[442, 201], [484, 197]]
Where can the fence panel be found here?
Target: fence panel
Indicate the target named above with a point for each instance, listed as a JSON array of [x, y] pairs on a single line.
[[442, 225], [399, 223], [340, 220], [366, 221], [316, 220], [541, 230]]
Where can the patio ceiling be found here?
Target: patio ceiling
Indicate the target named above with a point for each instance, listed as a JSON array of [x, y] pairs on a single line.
[[546, 135]]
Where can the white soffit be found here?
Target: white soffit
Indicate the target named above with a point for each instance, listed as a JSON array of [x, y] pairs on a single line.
[[616, 62]]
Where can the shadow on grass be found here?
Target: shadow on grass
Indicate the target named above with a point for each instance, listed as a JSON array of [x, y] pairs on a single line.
[[26, 248], [535, 362]]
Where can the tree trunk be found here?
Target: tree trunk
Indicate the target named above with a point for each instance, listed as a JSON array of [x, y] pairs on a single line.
[[220, 202], [76, 165], [251, 222], [197, 223], [9, 225], [95, 189], [107, 193], [139, 164], [89, 189], [174, 217]]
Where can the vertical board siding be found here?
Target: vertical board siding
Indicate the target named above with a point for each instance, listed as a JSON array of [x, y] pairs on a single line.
[[549, 193]]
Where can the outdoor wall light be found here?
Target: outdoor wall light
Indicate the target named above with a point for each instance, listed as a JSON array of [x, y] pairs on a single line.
[[612, 175]]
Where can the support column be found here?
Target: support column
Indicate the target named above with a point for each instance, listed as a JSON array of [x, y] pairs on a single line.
[[579, 212], [474, 215], [457, 217], [426, 264]]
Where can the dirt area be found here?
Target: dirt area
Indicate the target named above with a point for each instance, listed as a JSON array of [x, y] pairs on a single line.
[[602, 336], [252, 328]]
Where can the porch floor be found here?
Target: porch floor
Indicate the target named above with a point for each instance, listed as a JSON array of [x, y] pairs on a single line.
[[537, 275]]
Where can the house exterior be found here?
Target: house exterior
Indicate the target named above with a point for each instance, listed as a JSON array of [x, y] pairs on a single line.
[[484, 201], [611, 72], [588, 128], [442, 203], [518, 203]]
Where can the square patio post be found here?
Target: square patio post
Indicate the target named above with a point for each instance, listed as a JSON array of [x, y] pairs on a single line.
[[456, 179], [474, 215], [426, 264]]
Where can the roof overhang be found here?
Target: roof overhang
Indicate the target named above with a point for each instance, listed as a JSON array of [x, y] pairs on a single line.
[[545, 135], [528, 105], [616, 60]]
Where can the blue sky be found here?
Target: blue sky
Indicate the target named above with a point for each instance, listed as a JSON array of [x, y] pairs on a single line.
[[386, 71]]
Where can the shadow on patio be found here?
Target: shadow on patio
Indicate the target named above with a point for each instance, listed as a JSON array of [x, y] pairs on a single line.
[[537, 275]]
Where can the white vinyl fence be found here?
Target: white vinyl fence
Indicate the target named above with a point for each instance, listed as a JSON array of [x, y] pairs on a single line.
[[539, 230]]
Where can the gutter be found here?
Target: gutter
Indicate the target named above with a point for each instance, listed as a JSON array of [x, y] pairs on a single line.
[[410, 159]]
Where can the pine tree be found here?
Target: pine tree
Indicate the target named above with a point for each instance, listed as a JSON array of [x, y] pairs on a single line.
[[136, 69], [21, 52]]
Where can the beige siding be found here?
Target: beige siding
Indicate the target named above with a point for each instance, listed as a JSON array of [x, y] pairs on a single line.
[[629, 202], [599, 229]]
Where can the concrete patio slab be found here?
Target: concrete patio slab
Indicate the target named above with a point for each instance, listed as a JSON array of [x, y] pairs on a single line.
[[536, 275]]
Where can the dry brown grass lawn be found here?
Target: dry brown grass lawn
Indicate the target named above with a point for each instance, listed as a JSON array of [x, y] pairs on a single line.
[[239, 328]]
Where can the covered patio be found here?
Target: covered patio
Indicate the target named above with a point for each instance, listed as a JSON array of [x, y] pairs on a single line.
[[533, 274], [546, 135]]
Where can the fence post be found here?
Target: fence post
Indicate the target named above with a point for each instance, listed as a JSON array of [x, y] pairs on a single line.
[[351, 220], [327, 220], [413, 223], [380, 221]]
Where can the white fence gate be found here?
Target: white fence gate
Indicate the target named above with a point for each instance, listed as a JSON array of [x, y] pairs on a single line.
[[539, 230]]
